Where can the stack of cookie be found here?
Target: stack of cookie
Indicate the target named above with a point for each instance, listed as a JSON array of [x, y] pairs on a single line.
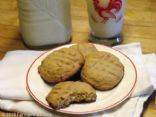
[[99, 71]]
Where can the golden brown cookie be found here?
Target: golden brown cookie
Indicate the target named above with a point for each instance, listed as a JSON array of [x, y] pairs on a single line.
[[85, 48], [60, 65], [65, 93], [102, 70]]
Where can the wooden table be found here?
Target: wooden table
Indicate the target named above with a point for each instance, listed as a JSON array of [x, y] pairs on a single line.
[[139, 26]]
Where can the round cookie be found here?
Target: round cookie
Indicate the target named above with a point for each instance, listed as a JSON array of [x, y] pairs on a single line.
[[102, 70], [65, 93], [60, 65], [85, 48]]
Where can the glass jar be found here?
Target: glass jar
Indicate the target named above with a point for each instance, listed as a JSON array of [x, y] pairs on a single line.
[[44, 23]]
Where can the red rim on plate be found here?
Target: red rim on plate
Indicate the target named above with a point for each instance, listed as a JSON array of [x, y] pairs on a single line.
[[86, 112]]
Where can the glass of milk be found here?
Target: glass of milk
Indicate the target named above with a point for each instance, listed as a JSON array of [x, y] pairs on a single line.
[[106, 20], [44, 22]]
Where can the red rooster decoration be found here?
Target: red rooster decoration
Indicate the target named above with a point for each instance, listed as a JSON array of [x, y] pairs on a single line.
[[113, 7]]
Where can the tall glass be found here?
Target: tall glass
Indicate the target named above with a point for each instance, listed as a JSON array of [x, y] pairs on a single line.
[[106, 20]]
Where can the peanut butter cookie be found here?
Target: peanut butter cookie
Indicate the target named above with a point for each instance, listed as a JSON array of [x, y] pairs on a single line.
[[102, 70], [60, 65], [65, 93], [84, 48]]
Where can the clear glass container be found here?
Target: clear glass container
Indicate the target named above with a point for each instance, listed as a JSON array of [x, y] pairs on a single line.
[[45, 23]]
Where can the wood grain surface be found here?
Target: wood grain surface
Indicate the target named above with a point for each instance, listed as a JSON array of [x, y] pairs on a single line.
[[139, 26]]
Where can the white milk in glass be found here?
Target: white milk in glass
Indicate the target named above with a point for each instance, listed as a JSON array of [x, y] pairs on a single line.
[[45, 22], [105, 18]]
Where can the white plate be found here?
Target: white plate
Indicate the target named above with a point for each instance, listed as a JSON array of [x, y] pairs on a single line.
[[38, 89]]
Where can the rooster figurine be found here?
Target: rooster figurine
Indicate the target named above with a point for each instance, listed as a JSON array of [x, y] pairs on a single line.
[[108, 12]]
